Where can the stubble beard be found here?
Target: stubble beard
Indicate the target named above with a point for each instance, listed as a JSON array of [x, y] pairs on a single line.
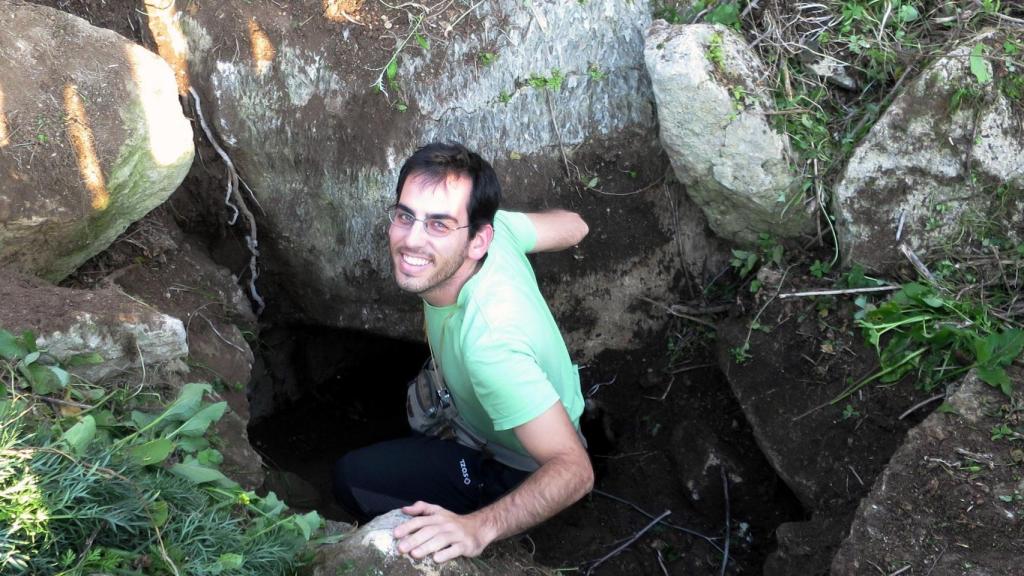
[[444, 270]]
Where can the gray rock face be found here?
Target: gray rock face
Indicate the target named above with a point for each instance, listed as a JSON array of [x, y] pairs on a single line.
[[711, 105], [935, 162], [92, 137], [321, 147], [949, 501]]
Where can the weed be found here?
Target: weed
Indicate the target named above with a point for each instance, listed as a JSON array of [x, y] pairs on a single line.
[[819, 268], [920, 330], [740, 354], [714, 52], [850, 412], [595, 73], [141, 488], [487, 58], [768, 251], [504, 97], [963, 95], [552, 82]]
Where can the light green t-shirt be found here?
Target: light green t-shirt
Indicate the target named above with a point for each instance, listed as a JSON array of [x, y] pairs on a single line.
[[498, 346]]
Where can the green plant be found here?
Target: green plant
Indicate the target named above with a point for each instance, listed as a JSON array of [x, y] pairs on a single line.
[[714, 52], [504, 97], [819, 268], [110, 489], [850, 412], [487, 58], [768, 251], [741, 354], [595, 73], [1003, 431], [938, 337], [552, 82], [963, 95]]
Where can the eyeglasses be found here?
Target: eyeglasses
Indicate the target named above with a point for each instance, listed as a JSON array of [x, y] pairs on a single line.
[[436, 227]]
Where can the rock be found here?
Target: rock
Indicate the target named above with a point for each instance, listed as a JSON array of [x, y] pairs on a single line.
[[791, 369], [806, 548], [713, 126], [932, 166], [176, 275], [834, 71], [372, 550], [949, 501], [320, 147], [92, 134], [129, 336], [699, 455]]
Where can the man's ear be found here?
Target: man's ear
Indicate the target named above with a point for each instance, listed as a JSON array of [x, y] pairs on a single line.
[[480, 243]]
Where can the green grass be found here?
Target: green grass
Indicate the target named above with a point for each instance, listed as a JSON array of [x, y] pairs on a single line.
[[111, 487]]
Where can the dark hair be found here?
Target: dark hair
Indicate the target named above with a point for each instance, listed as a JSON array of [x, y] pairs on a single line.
[[439, 160]]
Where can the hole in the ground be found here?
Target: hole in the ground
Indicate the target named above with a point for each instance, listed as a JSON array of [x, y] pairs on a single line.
[[320, 392]]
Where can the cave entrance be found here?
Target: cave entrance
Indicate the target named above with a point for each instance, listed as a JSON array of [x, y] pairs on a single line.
[[319, 392]]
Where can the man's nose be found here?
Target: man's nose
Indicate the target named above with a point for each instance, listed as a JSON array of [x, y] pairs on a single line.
[[417, 235]]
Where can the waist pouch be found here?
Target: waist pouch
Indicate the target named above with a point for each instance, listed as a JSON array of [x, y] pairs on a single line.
[[431, 410]]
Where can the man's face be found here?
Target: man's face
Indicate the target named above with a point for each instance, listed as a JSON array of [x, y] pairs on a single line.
[[425, 264]]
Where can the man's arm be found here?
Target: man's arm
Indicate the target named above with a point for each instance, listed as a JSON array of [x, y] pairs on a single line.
[[565, 476], [557, 230]]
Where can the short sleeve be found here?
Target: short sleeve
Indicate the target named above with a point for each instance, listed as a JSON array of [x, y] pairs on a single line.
[[508, 382], [518, 228]]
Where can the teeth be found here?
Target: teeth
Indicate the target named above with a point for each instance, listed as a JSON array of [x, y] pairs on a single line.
[[414, 261]]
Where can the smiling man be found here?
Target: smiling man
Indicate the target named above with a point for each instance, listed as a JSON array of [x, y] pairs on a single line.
[[503, 359]]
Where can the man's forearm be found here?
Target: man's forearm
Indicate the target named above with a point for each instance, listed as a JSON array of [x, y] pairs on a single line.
[[553, 487]]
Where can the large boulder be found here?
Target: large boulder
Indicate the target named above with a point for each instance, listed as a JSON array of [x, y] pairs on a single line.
[[92, 137], [941, 162], [950, 501], [544, 90], [711, 110]]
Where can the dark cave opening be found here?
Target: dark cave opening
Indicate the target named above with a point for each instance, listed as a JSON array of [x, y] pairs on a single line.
[[318, 392]]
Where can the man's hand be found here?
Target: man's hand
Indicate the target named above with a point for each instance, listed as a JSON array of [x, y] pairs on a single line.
[[437, 531]]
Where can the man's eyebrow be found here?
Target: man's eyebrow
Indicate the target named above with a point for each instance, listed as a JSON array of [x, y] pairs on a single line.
[[437, 216]]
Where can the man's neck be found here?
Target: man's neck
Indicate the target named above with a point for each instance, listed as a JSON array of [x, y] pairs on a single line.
[[447, 293]]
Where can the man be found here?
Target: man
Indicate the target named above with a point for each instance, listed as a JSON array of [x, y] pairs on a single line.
[[502, 357]]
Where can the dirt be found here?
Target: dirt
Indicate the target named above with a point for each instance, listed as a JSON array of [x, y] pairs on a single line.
[[953, 494]]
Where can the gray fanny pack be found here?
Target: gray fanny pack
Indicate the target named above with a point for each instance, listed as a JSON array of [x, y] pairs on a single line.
[[431, 410]]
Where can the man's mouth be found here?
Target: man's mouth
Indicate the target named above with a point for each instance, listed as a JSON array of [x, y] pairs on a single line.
[[414, 260]]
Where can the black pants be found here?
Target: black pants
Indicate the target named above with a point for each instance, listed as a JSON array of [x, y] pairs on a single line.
[[381, 477]]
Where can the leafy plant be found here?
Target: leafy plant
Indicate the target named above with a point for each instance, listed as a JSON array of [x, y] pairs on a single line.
[[552, 82], [114, 490], [937, 337], [487, 58], [715, 51]]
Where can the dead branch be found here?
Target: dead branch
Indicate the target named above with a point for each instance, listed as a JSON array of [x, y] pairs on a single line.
[[837, 292]]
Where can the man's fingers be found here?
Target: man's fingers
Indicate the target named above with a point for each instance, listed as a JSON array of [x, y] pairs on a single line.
[[419, 508], [449, 553], [439, 541], [416, 538]]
